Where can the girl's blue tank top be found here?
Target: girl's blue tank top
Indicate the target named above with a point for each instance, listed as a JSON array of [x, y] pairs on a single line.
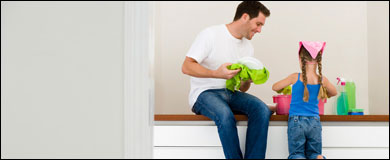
[[298, 107]]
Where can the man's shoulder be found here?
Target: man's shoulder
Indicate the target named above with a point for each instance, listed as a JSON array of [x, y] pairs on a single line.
[[211, 32], [213, 29]]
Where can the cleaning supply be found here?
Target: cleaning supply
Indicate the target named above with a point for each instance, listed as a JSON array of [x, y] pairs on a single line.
[[356, 112], [283, 101], [285, 90], [350, 88], [282, 104], [321, 103], [251, 69], [257, 76], [342, 100], [251, 63], [313, 47]]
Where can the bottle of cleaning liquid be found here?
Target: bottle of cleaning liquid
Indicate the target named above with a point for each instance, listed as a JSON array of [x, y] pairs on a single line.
[[342, 100], [351, 94]]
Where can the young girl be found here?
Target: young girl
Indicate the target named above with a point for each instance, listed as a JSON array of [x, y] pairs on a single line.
[[304, 126]]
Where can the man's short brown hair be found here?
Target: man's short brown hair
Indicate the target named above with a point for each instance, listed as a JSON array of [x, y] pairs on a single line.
[[252, 8]]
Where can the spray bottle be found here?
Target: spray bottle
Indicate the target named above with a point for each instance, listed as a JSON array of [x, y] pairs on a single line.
[[342, 100], [350, 88]]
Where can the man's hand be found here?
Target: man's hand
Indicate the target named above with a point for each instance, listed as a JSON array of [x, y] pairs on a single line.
[[224, 72], [245, 85], [193, 68]]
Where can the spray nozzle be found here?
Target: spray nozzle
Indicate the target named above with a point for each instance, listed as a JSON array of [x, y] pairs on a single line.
[[342, 81]]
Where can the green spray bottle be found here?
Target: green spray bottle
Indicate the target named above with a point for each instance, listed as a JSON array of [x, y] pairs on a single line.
[[350, 88], [342, 100]]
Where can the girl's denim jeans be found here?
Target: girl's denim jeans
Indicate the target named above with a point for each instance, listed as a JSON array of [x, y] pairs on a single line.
[[304, 137], [220, 106]]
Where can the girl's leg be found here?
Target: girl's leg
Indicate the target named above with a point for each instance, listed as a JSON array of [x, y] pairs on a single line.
[[314, 139], [296, 138]]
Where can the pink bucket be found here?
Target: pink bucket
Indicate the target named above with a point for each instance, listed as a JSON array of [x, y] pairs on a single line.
[[283, 104]]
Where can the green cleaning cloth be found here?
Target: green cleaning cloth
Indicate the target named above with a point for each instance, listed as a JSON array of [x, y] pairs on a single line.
[[259, 76], [285, 90]]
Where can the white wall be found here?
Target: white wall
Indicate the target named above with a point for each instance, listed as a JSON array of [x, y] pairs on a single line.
[[378, 56], [343, 25], [177, 24], [62, 80]]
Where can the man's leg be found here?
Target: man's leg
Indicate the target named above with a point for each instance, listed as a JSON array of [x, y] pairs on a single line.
[[258, 120], [213, 104]]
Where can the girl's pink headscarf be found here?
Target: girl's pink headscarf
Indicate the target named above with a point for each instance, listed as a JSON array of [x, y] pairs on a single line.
[[313, 47]]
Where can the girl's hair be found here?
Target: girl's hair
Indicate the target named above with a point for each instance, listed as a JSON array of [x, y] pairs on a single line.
[[305, 55]]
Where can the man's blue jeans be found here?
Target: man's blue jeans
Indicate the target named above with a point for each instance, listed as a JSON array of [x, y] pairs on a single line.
[[220, 104]]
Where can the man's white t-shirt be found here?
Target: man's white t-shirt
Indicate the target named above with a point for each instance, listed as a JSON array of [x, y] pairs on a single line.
[[213, 47]]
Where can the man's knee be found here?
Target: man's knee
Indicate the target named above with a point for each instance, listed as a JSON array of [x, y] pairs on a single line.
[[226, 118], [261, 109]]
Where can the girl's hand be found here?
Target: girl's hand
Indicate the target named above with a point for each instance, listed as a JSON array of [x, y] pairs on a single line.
[[330, 88], [279, 86]]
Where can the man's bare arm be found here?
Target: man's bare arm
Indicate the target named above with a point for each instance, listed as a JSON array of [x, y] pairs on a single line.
[[193, 68]]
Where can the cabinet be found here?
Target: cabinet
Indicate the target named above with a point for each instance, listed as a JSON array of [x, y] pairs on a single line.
[[200, 141]]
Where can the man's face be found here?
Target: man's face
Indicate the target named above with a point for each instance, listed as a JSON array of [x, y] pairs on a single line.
[[254, 25]]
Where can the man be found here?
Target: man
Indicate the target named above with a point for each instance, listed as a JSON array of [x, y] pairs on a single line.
[[206, 62]]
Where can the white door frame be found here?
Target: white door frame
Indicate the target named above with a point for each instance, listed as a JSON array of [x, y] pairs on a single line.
[[3, 148], [138, 79]]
